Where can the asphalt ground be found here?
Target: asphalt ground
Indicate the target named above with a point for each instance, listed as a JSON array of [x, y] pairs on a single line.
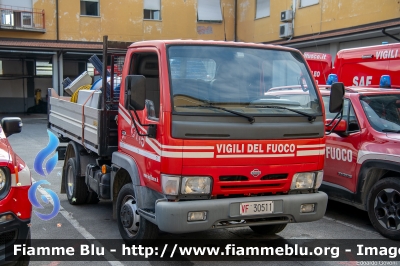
[[95, 221]]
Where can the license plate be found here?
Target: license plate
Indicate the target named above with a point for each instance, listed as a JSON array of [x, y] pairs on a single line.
[[257, 207]]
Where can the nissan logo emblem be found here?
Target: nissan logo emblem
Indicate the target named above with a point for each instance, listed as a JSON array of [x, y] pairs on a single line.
[[255, 172]]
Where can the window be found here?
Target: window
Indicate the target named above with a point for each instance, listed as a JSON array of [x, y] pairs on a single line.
[[382, 111], [304, 3], [262, 8], [7, 17], [348, 115], [26, 19], [151, 9], [44, 68], [209, 10], [233, 77], [90, 7]]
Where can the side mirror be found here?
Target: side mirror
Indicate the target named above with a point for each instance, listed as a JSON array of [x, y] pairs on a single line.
[[11, 125], [340, 128], [135, 91], [336, 98]]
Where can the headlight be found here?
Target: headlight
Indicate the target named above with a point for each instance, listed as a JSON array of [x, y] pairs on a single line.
[[170, 184], [303, 181], [196, 185], [3, 180], [320, 176]]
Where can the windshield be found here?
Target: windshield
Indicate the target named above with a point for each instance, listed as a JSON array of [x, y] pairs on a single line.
[[245, 80], [382, 111]]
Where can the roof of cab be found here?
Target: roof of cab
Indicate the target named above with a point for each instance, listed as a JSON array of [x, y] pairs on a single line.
[[363, 90], [159, 43], [355, 52]]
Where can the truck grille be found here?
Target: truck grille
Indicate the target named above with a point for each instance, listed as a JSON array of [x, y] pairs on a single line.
[[243, 184], [251, 186], [7, 238], [274, 177], [229, 178]]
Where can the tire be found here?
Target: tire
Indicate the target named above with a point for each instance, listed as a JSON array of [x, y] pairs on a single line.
[[25, 259], [384, 207], [75, 186], [132, 227], [269, 229]]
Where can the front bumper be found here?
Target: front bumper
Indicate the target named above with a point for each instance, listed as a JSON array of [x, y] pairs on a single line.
[[171, 217], [12, 232]]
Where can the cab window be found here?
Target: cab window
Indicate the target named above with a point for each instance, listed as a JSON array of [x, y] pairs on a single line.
[[348, 114]]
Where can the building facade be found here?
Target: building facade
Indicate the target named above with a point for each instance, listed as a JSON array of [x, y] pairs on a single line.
[[44, 41], [325, 26]]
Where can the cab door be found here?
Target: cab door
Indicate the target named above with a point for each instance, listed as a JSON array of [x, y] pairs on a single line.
[[341, 151], [144, 150]]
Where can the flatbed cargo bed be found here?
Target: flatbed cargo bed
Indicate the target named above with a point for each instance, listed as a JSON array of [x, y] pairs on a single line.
[[94, 128]]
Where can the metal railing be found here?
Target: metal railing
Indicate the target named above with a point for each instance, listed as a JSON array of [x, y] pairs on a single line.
[[22, 18]]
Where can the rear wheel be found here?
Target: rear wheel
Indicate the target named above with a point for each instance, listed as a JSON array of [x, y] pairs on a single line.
[[269, 229], [384, 207], [76, 188], [132, 227]]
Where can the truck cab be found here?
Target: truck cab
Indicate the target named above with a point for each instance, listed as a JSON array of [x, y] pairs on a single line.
[[15, 207], [362, 162], [198, 142]]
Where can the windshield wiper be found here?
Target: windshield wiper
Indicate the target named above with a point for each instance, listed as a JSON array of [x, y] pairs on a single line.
[[250, 118], [311, 118], [390, 130]]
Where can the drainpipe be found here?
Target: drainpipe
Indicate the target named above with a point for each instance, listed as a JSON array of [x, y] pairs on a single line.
[[58, 28], [236, 18], [294, 15]]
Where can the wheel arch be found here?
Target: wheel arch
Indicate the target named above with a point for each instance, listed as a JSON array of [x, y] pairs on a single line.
[[125, 170], [371, 172]]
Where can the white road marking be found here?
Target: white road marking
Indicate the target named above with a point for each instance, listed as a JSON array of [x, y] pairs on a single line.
[[108, 256]]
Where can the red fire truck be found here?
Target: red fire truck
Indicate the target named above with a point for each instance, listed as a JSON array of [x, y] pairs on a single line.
[[15, 181], [363, 66], [320, 64], [195, 143]]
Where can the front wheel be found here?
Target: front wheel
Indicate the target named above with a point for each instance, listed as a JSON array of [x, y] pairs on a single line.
[[384, 207], [132, 227], [269, 229]]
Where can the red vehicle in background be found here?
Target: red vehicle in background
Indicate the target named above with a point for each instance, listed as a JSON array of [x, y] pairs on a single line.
[[320, 64], [363, 66], [15, 207], [362, 161]]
